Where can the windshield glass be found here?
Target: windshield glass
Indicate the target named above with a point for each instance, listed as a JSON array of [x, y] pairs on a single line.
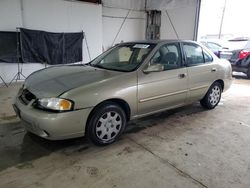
[[213, 46], [125, 57], [236, 45]]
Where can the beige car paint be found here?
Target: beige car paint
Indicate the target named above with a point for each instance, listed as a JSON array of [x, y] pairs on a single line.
[[200, 79], [159, 90]]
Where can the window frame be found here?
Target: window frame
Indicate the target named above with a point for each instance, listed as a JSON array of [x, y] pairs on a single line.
[[207, 52]]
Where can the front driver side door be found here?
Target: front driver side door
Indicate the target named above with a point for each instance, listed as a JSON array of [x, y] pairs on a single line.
[[165, 89]]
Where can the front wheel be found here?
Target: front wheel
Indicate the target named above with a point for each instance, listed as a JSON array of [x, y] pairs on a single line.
[[106, 124], [212, 97]]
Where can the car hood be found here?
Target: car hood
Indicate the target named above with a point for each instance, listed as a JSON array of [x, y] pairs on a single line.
[[53, 81]]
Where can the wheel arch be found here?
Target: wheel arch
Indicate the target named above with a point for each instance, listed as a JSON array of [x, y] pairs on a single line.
[[120, 102], [221, 83]]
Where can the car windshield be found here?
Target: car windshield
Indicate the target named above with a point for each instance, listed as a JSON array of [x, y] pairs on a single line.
[[124, 57], [214, 46], [237, 44]]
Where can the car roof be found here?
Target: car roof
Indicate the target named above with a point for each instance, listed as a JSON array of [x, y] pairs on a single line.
[[157, 41]]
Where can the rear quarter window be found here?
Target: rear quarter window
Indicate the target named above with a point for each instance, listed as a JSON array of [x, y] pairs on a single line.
[[207, 57]]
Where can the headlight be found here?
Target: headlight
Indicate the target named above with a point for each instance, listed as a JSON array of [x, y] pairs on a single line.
[[55, 104]]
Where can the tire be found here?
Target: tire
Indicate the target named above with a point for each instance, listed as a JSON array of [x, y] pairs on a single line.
[[212, 97], [106, 124]]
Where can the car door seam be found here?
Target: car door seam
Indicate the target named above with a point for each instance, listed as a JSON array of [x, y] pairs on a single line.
[[162, 96], [196, 88]]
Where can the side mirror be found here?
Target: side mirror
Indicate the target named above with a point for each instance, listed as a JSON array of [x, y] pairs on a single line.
[[154, 68]]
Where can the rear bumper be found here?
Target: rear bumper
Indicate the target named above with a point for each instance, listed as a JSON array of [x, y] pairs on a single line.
[[227, 84], [50, 125]]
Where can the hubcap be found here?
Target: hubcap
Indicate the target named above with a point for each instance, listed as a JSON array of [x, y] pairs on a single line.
[[108, 126], [214, 96]]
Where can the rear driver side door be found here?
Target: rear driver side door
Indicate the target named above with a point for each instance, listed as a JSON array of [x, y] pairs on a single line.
[[201, 69]]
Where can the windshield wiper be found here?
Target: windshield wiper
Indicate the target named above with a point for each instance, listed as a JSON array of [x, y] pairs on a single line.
[[107, 68], [98, 66], [88, 64]]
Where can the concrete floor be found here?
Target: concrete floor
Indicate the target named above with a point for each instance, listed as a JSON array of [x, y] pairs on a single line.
[[186, 147]]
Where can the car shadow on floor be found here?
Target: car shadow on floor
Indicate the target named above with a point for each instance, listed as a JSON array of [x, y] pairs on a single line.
[[155, 119], [18, 146]]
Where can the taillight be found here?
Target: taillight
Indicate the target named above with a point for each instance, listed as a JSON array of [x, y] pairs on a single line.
[[243, 53]]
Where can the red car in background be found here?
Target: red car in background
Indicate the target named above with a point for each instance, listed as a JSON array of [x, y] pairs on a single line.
[[242, 65], [238, 55], [239, 49]]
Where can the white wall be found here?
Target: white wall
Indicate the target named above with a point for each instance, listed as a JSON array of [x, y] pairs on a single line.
[[53, 16], [133, 28], [66, 16], [9, 70], [10, 15], [183, 21], [125, 4]]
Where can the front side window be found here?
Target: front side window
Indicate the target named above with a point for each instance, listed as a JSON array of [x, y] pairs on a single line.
[[194, 54], [125, 57], [168, 55]]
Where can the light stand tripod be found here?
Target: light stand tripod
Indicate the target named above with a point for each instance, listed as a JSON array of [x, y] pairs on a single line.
[[3, 81], [19, 73]]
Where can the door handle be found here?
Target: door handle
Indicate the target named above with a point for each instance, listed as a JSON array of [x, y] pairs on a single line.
[[183, 75], [213, 70]]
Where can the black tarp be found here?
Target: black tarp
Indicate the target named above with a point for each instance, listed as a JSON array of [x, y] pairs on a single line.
[[8, 46], [50, 48]]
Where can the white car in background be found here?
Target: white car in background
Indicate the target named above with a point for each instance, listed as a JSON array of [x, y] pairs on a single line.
[[216, 46]]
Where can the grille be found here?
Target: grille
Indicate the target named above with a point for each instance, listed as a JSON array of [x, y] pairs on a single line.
[[27, 96]]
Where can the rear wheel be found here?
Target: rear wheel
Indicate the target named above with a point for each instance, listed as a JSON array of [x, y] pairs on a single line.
[[212, 97], [106, 124]]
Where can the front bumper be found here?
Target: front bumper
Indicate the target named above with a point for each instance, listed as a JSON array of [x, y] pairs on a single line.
[[50, 125]]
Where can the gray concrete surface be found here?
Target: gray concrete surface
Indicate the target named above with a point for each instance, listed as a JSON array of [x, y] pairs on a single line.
[[186, 147]]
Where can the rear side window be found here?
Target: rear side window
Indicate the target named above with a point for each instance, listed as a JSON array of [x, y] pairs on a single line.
[[194, 54]]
